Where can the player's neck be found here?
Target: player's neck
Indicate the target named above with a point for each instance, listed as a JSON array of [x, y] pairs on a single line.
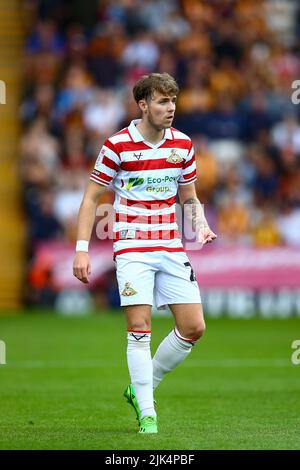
[[149, 133]]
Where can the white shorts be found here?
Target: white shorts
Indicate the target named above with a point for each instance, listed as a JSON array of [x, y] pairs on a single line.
[[158, 278]]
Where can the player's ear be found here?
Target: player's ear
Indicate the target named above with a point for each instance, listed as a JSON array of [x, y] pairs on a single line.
[[143, 105]]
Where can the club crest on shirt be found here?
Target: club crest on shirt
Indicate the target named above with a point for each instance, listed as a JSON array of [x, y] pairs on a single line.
[[128, 290], [174, 157]]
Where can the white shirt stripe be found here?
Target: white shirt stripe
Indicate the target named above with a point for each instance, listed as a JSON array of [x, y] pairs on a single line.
[[138, 226], [120, 138]]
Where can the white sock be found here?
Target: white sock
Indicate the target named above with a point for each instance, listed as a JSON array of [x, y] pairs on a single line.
[[170, 353], [140, 369]]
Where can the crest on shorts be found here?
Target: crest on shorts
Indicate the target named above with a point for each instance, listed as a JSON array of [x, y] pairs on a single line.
[[174, 157], [128, 290]]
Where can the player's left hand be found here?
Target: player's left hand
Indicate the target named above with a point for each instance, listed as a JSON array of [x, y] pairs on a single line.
[[208, 236]]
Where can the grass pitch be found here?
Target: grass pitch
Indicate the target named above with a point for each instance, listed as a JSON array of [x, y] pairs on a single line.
[[63, 382]]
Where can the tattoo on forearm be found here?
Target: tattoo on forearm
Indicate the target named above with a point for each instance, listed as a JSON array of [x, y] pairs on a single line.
[[191, 200], [195, 213]]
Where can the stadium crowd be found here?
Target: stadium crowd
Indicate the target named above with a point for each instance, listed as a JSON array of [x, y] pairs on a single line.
[[235, 62]]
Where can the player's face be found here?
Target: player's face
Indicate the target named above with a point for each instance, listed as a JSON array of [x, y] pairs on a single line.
[[160, 110]]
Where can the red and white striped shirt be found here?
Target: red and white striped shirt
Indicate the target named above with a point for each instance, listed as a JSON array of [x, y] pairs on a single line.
[[145, 178]]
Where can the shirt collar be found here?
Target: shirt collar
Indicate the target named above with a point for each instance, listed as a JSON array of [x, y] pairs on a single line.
[[137, 136]]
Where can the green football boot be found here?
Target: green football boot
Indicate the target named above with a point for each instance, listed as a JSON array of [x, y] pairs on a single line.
[[148, 425], [131, 399]]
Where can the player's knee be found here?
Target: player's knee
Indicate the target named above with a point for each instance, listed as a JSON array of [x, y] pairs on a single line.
[[138, 318], [201, 329], [193, 332], [198, 330]]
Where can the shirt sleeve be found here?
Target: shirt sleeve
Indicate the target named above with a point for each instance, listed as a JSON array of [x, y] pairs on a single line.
[[107, 164], [188, 174]]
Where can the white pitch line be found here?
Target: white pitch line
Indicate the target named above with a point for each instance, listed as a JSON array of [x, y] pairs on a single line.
[[96, 363], [63, 364], [240, 363]]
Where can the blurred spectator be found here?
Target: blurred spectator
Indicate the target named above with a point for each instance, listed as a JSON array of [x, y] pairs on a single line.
[[233, 221], [265, 230], [289, 224], [104, 114], [141, 51], [43, 223], [40, 104], [266, 179], [76, 92], [67, 202], [40, 152], [287, 132], [45, 38]]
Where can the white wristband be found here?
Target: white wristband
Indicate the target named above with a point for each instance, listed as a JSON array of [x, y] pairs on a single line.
[[82, 245]]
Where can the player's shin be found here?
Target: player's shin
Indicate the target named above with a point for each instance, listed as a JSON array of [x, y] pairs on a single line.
[[170, 353], [140, 370]]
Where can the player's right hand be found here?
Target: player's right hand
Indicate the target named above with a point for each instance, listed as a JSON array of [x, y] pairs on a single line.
[[82, 266]]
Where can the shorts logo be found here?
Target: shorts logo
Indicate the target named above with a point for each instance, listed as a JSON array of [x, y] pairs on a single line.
[[174, 157], [128, 290]]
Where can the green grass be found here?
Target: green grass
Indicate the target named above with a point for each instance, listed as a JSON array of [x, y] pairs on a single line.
[[63, 382]]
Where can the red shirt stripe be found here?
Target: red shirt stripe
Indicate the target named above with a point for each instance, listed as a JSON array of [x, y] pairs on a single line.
[[159, 164], [156, 205], [131, 147], [146, 219], [110, 164], [111, 147], [99, 175], [147, 248], [189, 163], [183, 144], [189, 175]]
